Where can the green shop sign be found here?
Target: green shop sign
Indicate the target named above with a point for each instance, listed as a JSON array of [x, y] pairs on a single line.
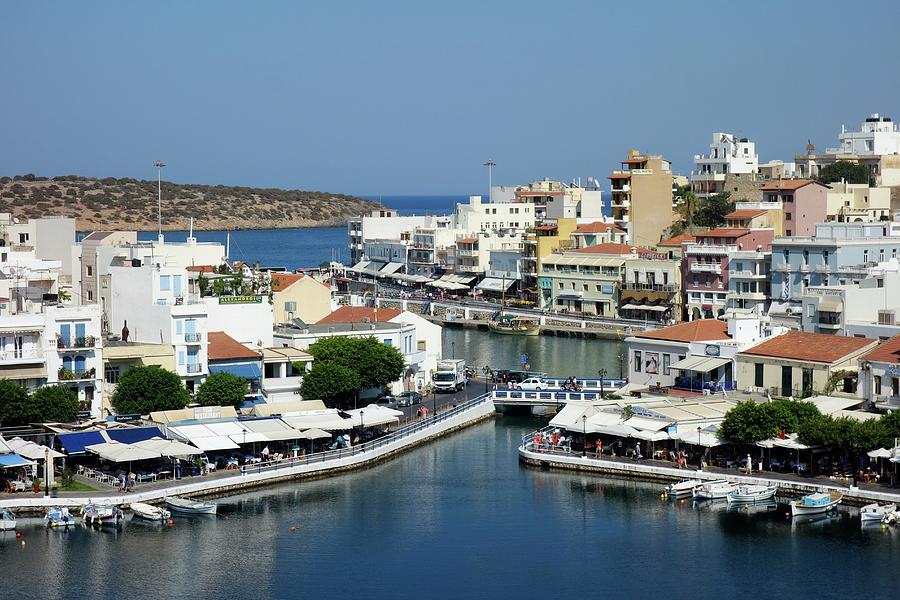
[[240, 299]]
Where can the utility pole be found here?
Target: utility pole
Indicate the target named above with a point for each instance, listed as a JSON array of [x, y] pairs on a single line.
[[490, 165], [159, 165]]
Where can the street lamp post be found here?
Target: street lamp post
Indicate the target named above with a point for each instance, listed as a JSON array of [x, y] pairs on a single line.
[[159, 165], [602, 374], [490, 165], [700, 463], [452, 349], [584, 436]]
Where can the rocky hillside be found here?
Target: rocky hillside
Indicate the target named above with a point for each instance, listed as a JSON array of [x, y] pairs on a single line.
[[125, 203]]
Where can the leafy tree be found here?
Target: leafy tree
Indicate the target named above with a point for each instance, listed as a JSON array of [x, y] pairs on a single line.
[[55, 404], [145, 389], [375, 363], [330, 382], [15, 405], [711, 211], [748, 423], [848, 171], [222, 389]]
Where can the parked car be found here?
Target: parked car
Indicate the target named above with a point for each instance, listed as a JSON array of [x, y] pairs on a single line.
[[532, 383], [388, 400], [409, 398]]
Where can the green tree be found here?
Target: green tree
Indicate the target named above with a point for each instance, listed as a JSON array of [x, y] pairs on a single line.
[[331, 382], [55, 404], [15, 405], [748, 423], [145, 389], [375, 363], [848, 171], [222, 389], [711, 211]]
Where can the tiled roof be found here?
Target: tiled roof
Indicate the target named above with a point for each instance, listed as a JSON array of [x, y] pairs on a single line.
[[789, 184], [888, 351], [224, 347], [678, 240], [746, 213], [467, 240], [620, 176], [282, 281], [693, 331], [597, 227], [201, 269], [359, 314], [728, 232], [614, 249], [811, 347]]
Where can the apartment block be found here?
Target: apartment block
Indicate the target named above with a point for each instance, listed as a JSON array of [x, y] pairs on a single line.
[[642, 197]]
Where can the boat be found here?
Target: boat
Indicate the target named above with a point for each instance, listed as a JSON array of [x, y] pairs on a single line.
[[753, 508], [752, 493], [186, 506], [892, 518], [714, 490], [508, 325], [150, 512], [682, 489], [99, 515], [817, 503], [59, 516], [872, 513], [7, 520]]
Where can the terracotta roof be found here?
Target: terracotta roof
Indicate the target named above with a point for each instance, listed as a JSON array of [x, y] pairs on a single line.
[[634, 161], [467, 240], [620, 176], [614, 249], [811, 347], [789, 184], [360, 314], [734, 232], [282, 281], [888, 351], [546, 228], [538, 193], [597, 227], [201, 269], [746, 213], [224, 347], [678, 240], [692, 331]]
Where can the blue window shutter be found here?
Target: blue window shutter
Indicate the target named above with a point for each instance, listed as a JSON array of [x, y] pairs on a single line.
[[79, 330], [67, 363], [65, 332], [79, 364], [178, 326], [181, 357]]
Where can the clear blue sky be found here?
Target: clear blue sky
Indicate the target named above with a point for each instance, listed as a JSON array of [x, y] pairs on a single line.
[[412, 97]]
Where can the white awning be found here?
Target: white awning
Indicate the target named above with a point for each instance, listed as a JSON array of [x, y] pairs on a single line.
[[361, 266], [328, 420], [570, 415], [273, 429], [248, 437], [492, 284], [374, 414], [830, 306], [569, 295], [203, 437], [215, 442], [448, 285], [652, 307], [391, 267], [701, 438], [702, 364]]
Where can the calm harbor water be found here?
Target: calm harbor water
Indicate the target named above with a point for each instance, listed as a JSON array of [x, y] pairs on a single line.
[[460, 518]]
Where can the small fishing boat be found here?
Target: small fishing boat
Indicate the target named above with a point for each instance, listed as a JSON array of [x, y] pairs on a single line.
[[873, 513], [185, 506], [752, 493], [814, 504], [59, 516], [7, 520], [714, 490], [682, 489], [99, 515], [150, 512], [509, 325]]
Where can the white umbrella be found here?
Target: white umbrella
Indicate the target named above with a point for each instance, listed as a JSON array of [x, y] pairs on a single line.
[[701, 438], [168, 447], [31, 450], [880, 453], [118, 452]]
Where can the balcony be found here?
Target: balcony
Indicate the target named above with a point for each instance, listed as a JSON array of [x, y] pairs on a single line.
[[12, 357], [784, 267], [711, 249], [416, 358], [623, 204], [746, 275], [648, 287], [822, 269], [827, 326], [68, 375], [84, 342], [192, 338], [706, 268], [466, 252], [737, 295], [191, 368], [804, 268]]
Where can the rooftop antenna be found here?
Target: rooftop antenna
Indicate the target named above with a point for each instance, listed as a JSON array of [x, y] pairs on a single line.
[[490, 164], [159, 165]]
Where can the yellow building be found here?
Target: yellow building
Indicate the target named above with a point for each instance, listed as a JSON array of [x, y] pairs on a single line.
[[541, 242], [298, 296], [120, 356], [642, 198]]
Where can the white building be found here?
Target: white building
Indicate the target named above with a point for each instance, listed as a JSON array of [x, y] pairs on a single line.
[[878, 135], [427, 349], [385, 224], [728, 155], [248, 319]]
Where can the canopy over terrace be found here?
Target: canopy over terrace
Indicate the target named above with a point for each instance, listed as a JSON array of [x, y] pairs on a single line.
[[494, 284], [374, 414], [168, 448], [31, 450], [120, 452], [329, 420]]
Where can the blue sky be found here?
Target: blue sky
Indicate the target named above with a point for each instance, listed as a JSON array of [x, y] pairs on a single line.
[[412, 97]]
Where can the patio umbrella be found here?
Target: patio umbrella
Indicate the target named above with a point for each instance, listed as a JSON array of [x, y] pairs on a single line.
[[31, 450], [118, 452], [880, 453], [707, 439], [313, 434], [168, 447]]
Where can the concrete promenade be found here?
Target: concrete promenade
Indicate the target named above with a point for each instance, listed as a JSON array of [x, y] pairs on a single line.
[[321, 464], [789, 486]]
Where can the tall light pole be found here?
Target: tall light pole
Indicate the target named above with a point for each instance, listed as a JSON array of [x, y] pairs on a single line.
[[159, 165], [584, 438], [490, 165]]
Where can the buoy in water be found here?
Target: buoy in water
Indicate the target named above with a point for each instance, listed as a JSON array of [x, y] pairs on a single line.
[[170, 522], [23, 542], [18, 535], [293, 529]]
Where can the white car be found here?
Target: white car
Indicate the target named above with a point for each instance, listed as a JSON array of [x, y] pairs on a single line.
[[532, 383]]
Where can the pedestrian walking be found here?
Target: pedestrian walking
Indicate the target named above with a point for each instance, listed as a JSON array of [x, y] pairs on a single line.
[[637, 452]]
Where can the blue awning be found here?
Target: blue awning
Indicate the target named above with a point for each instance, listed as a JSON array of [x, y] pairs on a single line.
[[134, 434], [12, 460], [74, 443], [245, 371]]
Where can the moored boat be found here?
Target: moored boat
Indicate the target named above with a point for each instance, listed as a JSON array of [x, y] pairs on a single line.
[[752, 493], [99, 515], [714, 490], [817, 503], [7, 520], [515, 326], [185, 506], [682, 489], [59, 516], [150, 512], [873, 513]]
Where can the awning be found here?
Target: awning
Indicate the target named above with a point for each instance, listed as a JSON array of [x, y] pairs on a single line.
[[119, 452], [273, 429], [23, 372], [702, 364], [374, 414], [216, 442], [315, 434], [328, 420], [247, 371], [448, 285], [830, 306], [652, 307], [701, 438], [569, 295], [361, 266], [30, 450], [131, 435], [283, 408], [8, 461], [205, 438], [248, 437], [492, 284], [570, 415], [74, 443], [168, 447], [391, 267]]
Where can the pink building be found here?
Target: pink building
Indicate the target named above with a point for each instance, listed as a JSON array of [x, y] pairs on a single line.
[[705, 267], [803, 204]]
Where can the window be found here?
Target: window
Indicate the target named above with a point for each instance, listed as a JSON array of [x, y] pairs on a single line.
[[788, 233], [825, 256], [388, 342], [90, 270], [560, 285], [806, 257], [111, 374], [666, 358], [881, 255], [181, 358], [865, 256], [758, 375], [787, 216], [637, 361], [810, 310], [90, 295], [165, 283], [877, 385]]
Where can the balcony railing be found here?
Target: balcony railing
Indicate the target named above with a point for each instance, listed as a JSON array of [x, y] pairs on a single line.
[[822, 268], [711, 248], [85, 341], [193, 368], [783, 267], [650, 287], [706, 268], [746, 275], [21, 355], [192, 338], [69, 375]]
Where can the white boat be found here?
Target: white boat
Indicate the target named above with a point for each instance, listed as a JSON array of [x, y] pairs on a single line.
[[185, 506], [99, 515], [814, 504], [59, 516], [892, 518], [682, 489], [150, 512], [874, 513], [752, 493], [714, 490], [7, 520]]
